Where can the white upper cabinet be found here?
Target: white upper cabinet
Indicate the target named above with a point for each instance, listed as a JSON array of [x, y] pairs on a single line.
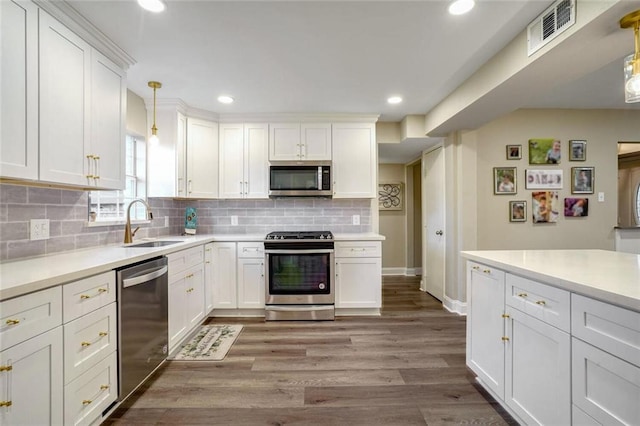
[[19, 90], [202, 159], [166, 160], [82, 107], [244, 169], [354, 160], [300, 142]]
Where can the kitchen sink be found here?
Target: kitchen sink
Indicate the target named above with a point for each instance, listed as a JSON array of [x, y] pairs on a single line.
[[158, 243]]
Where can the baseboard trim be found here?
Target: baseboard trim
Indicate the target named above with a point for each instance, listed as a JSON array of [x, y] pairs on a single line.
[[407, 272], [455, 306], [355, 312]]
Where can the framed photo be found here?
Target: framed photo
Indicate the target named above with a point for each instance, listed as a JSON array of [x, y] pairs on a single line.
[[582, 180], [576, 207], [504, 180], [517, 211], [544, 151], [390, 196], [543, 179], [514, 152], [577, 150], [545, 206]]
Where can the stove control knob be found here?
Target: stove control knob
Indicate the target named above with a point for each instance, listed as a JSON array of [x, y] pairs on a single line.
[[329, 237], [322, 237]]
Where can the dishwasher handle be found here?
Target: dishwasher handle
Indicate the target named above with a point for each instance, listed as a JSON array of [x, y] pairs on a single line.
[[155, 273]]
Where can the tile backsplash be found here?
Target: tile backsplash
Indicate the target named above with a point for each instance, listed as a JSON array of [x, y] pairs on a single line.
[[69, 230]]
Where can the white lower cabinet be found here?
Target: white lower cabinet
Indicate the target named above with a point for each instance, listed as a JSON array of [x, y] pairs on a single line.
[[224, 275], [358, 274], [186, 302], [538, 370], [31, 381], [251, 289], [239, 275], [91, 393], [208, 278]]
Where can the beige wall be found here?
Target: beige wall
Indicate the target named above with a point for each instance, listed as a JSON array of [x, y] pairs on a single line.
[[601, 128], [416, 172], [136, 114], [393, 223]]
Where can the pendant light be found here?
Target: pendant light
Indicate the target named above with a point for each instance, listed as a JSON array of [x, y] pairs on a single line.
[[632, 62], [154, 130]]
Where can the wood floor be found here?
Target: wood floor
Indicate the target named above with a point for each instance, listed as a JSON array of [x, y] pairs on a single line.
[[406, 367]]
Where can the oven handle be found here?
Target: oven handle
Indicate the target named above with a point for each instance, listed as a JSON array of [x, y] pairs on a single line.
[[311, 251]]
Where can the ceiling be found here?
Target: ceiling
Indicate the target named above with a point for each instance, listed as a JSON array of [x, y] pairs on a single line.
[[315, 56]]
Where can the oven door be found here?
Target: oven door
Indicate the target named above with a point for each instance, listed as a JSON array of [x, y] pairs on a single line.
[[297, 277]]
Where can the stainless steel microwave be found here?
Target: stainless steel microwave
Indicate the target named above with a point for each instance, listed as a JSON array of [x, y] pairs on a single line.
[[300, 179]]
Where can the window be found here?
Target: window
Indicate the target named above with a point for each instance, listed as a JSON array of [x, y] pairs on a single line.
[[110, 206]]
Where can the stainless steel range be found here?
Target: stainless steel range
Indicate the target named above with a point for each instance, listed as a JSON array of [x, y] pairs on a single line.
[[299, 284]]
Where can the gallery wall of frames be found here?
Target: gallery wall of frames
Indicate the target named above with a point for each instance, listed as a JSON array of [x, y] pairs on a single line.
[[538, 196]]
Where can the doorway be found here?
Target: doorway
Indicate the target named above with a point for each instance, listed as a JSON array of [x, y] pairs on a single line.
[[433, 204]]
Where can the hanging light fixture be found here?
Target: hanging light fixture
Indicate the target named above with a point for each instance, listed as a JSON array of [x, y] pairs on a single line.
[[632, 62], [154, 130]]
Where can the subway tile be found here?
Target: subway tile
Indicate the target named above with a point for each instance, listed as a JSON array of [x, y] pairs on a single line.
[[55, 229], [3, 251], [303, 202], [237, 212], [75, 198], [11, 231], [57, 244], [14, 194], [294, 212], [74, 227], [22, 212], [87, 240], [44, 196], [4, 213], [60, 212], [20, 249]]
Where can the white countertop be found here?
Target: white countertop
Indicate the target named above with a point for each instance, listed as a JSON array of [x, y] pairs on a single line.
[[610, 276], [28, 275]]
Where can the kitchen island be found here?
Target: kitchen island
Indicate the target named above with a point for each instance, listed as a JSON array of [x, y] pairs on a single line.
[[554, 335]]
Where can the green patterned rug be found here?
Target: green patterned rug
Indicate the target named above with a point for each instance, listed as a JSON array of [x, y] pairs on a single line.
[[212, 343]]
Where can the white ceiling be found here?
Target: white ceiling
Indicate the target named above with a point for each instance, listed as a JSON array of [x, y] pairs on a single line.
[[315, 56]]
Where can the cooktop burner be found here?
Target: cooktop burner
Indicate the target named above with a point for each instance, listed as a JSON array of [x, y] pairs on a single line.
[[301, 235]]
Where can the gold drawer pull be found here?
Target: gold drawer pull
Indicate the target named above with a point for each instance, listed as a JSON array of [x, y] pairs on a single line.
[[505, 316], [476, 268], [522, 295], [206, 261], [103, 333], [505, 339], [13, 321], [102, 290], [86, 402], [104, 387], [189, 276], [5, 368], [85, 296], [487, 271], [5, 403], [85, 344], [541, 302]]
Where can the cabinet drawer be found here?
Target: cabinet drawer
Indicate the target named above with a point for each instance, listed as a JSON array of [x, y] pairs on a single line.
[[548, 304], [90, 394], [86, 295], [184, 259], [27, 316], [604, 386], [358, 249], [493, 273], [251, 250], [89, 339], [614, 329]]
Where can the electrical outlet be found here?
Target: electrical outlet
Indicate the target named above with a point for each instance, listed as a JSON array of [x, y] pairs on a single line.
[[234, 220], [601, 197], [355, 219], [39, 229]]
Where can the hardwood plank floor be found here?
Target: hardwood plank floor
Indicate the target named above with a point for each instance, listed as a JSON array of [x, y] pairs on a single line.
[[406, 367]]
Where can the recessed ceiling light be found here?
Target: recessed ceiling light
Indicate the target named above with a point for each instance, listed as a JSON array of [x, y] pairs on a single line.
[[460, 7], [394, 100], [152, 5], [225, 99]]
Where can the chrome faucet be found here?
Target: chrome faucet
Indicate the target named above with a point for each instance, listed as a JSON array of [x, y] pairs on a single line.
[[128, 235]]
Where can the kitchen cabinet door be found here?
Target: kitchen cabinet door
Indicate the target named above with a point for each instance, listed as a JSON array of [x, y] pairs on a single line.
[[354, 160], [358, 282], [32, 381], [208, 278], [195, 296], [166, 159], [224, 276], [19, 88], [65, 64], [202, 159], [108, 109], [486, 325], [284, 142], [538, 370], [316, 141], [251, 285], [177, 309], [256, 163], [231, 160]]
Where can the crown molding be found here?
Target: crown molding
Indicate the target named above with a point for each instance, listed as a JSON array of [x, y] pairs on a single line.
[[67, 15], [167, 104], [299, 117]]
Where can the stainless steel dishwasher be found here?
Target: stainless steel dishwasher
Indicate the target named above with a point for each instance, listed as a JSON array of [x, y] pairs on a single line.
[[142, 322]]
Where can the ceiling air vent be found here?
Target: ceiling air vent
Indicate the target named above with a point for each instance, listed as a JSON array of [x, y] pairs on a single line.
[[551, 23]]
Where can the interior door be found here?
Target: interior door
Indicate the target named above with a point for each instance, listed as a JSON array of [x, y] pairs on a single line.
[[433, 253]]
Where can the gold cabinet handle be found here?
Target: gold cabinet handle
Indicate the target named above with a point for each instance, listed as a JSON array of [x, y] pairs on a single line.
[[487, 271], [476, 268], [505, 339], [102, 290], [206, 261], [86, 402], [103, 333], [85, 296], [5, 368], [104, 387], [541, 302], [522, 295], [506, 316], [12, 322], [189, 276], [85, 344], [5, 403]]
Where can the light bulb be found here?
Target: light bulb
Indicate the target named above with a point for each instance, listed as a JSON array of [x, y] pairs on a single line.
[[460, 7], [154, 140], [394, 100], [632, 81], [152, 5]]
